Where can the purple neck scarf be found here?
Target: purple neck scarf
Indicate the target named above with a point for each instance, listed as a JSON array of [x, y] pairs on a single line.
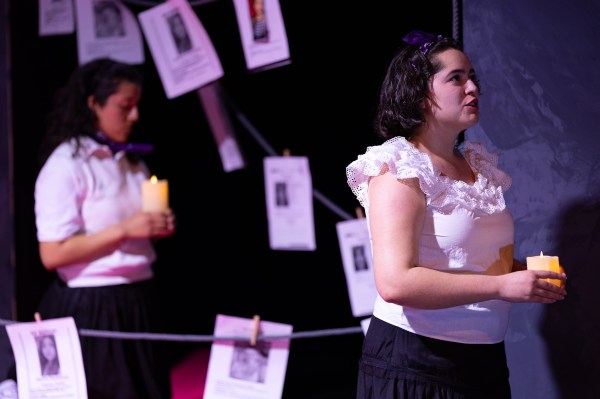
[[139, 148]]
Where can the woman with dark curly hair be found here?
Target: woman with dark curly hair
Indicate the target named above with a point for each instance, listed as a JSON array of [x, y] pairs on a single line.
[[441, 236], [93, 234]]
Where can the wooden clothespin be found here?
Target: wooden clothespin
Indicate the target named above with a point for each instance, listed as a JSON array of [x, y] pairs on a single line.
[[359, 212], [255, 329], [37, 317], [286, 152]]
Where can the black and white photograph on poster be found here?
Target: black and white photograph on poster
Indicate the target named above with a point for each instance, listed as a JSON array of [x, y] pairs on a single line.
[[357, 260], [56, 17], [48, 359], [289, 195], [108, 28], [262, 32], [108, 19], [246, 369], [281, 195], [360, 258], [249, 362], [179, 32], [181, 48]]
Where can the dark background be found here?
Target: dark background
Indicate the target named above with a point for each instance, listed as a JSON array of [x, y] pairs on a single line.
[[538, 64], [219, 262]]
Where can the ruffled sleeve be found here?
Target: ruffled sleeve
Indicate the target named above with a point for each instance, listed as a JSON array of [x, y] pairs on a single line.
[[401, 159], [442, 194], [486, 163]]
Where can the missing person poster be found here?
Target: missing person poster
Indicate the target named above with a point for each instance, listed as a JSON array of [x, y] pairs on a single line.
[[242, 369], [48, 359]]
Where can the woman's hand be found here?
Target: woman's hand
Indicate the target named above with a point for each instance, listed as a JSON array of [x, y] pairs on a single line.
[[532, 286], [149, 224]]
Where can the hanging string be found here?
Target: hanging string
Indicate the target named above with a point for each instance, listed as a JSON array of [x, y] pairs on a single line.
[[457, 20], [148, 3], [270, 151]]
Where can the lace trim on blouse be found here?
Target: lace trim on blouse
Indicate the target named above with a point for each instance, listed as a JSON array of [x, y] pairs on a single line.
[[442, 193]]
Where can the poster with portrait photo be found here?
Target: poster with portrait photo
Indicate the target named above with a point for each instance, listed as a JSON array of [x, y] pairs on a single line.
[[48, 359], [107, 28], [357, 260], [181, 48], [289, 197], [239, 370], [262, 32], [55, 17]]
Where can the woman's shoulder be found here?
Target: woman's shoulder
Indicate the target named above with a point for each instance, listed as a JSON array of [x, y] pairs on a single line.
[[398, 157], [74, 150]]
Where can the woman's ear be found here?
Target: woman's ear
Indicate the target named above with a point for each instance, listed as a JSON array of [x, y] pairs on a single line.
[[91, 101]]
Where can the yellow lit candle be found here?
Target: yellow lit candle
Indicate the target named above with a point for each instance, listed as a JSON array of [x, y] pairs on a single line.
[[155, 195], [545, 262]]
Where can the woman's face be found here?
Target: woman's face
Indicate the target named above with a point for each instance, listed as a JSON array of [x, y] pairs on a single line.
[[454, 93], [109, 22], [118, 115], [48, 348]]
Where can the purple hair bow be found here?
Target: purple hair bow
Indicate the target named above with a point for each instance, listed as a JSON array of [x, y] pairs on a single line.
[[422, 39]]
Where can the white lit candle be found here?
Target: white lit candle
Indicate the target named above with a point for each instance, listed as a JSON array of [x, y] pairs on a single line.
[[155, 195], [545, 262]]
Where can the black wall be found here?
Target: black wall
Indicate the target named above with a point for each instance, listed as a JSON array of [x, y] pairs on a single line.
[[537, 62], [219, 262]]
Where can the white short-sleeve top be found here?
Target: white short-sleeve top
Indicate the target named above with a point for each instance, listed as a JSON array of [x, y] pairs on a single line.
[[466, 228], [84, 194]]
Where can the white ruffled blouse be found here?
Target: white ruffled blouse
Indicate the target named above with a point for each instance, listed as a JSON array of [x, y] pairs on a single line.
[[467, 228]]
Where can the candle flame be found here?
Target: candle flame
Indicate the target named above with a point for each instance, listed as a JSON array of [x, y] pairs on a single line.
[[541, 253], [153, 180]]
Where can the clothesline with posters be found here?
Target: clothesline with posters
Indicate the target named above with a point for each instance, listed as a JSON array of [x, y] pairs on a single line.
[[186, 61], [181, 48], [247, 356], [204, 338]]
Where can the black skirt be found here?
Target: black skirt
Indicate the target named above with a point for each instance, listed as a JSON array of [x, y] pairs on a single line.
[[115, 368], [398, 364]]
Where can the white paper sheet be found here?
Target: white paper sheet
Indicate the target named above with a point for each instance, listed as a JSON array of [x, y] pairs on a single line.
[[55, 17], [107, 28], [288, 189], [355, 248], [182, 51], [220, 124], [364, 324], [262, 32], [238, 370], [36, 342]]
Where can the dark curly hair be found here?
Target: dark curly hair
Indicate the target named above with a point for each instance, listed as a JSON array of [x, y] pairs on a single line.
[[71, 118], [405, 85]]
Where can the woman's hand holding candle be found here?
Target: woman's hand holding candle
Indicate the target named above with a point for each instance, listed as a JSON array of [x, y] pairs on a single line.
[[144, 224], [545, 262], [531, 286]]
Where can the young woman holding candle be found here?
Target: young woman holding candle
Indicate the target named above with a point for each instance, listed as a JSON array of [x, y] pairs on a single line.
[[93, 233], [442, 238]]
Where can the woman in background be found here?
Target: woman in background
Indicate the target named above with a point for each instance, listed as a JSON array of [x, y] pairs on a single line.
[[93, 233]]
